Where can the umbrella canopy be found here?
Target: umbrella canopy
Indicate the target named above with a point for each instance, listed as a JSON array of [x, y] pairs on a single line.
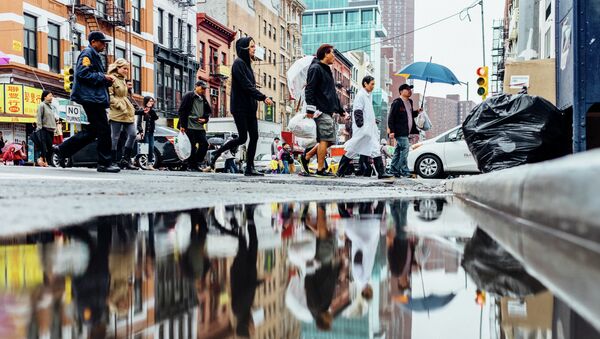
[[4, 59], [431, 302], [15, 147], [430, 72]]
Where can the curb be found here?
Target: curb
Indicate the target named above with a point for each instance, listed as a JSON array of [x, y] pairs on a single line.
[[562, 193]]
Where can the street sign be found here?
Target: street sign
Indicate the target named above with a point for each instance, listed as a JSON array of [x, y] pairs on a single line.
[[75, 114]]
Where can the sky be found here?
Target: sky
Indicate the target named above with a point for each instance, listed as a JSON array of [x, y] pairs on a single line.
[[454, 43]]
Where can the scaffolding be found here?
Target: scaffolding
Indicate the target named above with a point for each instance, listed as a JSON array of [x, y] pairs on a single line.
[[498, 57]]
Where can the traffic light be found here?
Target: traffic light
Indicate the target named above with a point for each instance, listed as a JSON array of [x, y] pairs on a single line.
[[482, 82], [68, 78]]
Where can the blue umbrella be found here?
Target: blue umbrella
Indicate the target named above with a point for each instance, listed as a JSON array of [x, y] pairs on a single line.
[[429, 72], [428, 303]]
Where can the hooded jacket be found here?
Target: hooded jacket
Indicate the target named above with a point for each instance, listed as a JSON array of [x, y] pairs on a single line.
[[121, 109], [320, 90], [244, 94], [90, 85]]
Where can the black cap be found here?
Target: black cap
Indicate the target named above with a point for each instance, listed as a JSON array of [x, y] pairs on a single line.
[[405, 86], [201, 83], [98, 36]]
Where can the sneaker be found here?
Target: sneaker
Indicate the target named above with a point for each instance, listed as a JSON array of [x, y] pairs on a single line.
[[304, 163], [108, 169], [323, 174]]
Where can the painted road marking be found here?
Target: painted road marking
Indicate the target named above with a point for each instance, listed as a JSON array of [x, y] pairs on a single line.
[[21, 176]]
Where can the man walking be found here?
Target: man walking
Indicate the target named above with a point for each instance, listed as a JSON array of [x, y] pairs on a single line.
[[275, 146], [90, 91], [194, 112], [322, 102], [401, 124]]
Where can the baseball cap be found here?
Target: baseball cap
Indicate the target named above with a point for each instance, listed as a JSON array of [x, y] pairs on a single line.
[[201, 83], [98, 36], [405, 86]]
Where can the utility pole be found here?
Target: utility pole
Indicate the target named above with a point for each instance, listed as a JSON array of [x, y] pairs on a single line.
[[482, 31]]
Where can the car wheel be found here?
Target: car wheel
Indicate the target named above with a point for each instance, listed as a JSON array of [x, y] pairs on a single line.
[[55, 162], [142, 160], [429, 166]]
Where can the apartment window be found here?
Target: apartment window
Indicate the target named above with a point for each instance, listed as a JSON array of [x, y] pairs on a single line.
[[282, 37], [337, 19], [282, 64], [119, 53], [308, 20], [265, 27], [101, 7], [189, 38], [274, 34], [178, 86], [54, 47], [322, 19], [367, 16], [135, 21], [179, 33], [274, 84], [202, 54], [352, 18], [170, 36], [214, 60], [269, 56], [137, 73], [30, 40], [160, 88], [270, 81], [161, 14], [270, 29], [77, 41], [264, 79], [223, 58]]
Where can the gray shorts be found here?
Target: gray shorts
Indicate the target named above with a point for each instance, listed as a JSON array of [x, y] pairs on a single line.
[[325, 128]]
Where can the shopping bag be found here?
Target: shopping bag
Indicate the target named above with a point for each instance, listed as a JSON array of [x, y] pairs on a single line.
[[422, 121], [143, 148], [303, 127], [183, 147]]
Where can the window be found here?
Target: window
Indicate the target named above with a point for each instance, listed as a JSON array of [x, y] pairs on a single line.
[[352, 18], [270, 81], [202, 54], [179, 34], [135, 21], [77, 41], [223, 58], [160, 89], [274, 84], [282, 37], [366, 16], [178, 86], [101, 7], [214, 60], [270, 29], [54, 47], [274, 34], [322, 19], [170, 36], [169, 88], [282, 64], [265, 27], [264, 79], [161, 15], [119, 53], [308, 20], [137, 73], [189, 39], [337, 19], [30, 40], [269, 56]]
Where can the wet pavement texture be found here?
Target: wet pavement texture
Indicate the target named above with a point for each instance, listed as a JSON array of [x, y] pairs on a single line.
[[416, 268]]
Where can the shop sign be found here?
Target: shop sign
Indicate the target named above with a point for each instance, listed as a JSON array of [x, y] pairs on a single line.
[[13, 97], [31, 100]]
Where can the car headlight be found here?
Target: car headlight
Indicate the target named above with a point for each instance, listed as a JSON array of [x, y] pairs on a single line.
[[415, 146]]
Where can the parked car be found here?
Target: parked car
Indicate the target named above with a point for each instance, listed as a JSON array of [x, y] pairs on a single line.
[[164, 152], [440, 156]]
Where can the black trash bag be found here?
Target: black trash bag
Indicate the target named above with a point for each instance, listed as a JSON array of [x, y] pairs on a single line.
[[511, 130], [496, 271]]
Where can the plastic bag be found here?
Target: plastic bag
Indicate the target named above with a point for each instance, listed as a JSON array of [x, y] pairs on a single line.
[[303, 127], [306, 142], [510, 130], [183, 147], [422, 121]]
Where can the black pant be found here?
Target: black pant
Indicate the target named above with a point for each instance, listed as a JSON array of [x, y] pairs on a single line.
[[198, 153], [98, 128], [247, 125], [46, 138]]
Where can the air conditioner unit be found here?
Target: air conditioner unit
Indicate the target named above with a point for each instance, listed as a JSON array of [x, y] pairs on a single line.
[[214, 92]]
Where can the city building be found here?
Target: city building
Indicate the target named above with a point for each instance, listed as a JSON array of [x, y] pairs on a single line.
[[443, 113], [260, 20], [342, 74], [40, 39], [175, 53], [290, 43], [398, 17], [214, 57], [361, 67], [464, 109]]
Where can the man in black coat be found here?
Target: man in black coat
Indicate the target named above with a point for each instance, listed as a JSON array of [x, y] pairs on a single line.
[[194, 113], [401, 124]]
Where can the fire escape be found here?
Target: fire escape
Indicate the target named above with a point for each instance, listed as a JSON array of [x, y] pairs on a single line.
[[500, 34]]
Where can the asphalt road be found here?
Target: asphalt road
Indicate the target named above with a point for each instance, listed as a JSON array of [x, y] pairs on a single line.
[[34, 198]]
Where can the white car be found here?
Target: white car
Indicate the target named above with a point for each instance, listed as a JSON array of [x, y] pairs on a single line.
[[442, 155]]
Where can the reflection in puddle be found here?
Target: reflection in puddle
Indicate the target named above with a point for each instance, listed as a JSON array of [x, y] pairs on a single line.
[[384, 269]]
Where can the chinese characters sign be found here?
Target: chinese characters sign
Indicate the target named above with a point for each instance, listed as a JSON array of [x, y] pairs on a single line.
[[19, 103], [13, 98]]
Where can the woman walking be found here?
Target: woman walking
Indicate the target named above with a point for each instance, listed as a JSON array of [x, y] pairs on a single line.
[[244, 97], [46, 125], [121, 113], [146, 124]]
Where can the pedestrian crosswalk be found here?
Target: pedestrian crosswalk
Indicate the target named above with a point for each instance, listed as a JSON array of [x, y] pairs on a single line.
[[42, 176]]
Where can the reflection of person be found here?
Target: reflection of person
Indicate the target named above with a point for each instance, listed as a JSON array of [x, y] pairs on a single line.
[[244, 277], [400, 250], [195, 262], [194, 113], [320, 284], [401, 125], [46, 125], [2, 142], [90, 90], [146, 124]]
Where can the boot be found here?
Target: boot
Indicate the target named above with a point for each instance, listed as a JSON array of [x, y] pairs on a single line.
[[125, 162], [345, 163], [380, 168], [252, 172]]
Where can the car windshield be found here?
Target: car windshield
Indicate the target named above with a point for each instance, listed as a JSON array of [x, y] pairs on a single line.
[[166, 131]]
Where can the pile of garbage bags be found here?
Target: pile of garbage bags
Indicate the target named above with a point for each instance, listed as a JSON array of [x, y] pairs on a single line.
[[510, 130]]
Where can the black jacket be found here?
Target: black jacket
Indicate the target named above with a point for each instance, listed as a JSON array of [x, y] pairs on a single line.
[[149, 119], [244, 94], [90, 85], [185, 109], [398, 120], [320, 90]]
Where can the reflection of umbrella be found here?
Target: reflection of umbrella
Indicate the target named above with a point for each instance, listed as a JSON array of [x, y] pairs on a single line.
[[4, 59], [428, 303], [15, 147], [429, 72]]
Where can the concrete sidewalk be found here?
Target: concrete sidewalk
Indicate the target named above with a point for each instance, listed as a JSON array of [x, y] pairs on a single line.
[[562, 193]]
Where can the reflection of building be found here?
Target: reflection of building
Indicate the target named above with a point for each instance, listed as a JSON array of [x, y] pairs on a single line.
[[214, 302], [440, 256]]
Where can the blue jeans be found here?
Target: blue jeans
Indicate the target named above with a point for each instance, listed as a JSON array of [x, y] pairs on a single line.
[[286, 167], [149, 139], [230, 166], [399, 163]]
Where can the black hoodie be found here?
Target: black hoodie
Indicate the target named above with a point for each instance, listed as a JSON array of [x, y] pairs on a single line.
[[243, 84], [320, 89]]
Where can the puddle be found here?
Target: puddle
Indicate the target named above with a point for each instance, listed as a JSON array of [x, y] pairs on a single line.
[[412, 268]]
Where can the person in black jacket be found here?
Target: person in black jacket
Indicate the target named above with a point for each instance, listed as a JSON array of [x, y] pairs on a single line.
[[244, 97], [401, 124], [321, 103], [194, 112], [146, 124]]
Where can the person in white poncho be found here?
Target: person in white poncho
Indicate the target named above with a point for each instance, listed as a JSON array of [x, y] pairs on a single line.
[[365, 134]]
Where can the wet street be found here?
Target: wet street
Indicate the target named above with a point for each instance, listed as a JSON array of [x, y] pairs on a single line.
[[416, 267]]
